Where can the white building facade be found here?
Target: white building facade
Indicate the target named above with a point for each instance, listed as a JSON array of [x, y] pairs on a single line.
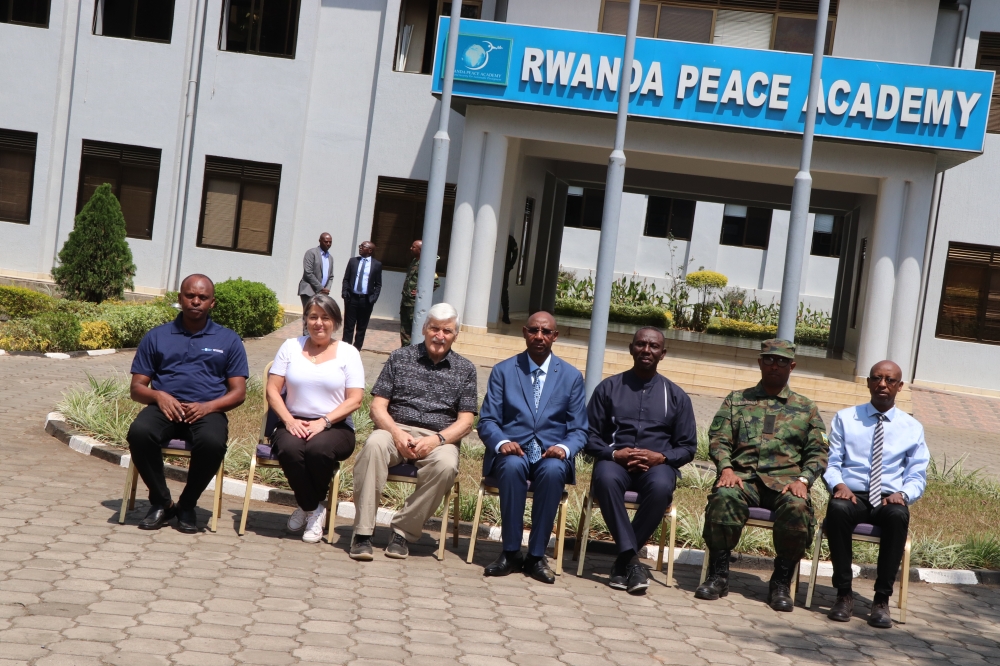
[[234, 132]]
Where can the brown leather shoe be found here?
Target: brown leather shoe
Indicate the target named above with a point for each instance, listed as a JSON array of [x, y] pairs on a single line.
[[843, 610], [880, 617]]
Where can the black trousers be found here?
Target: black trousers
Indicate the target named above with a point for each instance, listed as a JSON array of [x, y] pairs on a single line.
[[656, 490], [357, 313], [842, 516], [308, 464], [151, 431]]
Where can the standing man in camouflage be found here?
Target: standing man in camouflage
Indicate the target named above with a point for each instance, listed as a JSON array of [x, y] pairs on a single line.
[[769, 446], [409, 298]]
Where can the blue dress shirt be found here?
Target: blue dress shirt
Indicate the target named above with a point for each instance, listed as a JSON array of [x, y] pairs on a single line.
[[326, 267], [361, 282], [904, 452], [544, 367]]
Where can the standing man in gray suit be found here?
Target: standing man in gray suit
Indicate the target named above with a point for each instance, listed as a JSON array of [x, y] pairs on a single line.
[[317, 269]]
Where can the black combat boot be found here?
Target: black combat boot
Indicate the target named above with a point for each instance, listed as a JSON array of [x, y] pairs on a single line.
[[717, 582], [779, 595]]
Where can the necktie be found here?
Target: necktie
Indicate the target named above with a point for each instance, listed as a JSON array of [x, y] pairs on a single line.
[[532, 451], [875, 485], [361, 273]]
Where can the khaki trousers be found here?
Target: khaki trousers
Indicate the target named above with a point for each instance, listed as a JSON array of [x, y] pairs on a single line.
[[435, 477]]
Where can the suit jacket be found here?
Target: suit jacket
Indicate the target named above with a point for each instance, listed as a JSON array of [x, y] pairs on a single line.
[[508, 411], [312, 273], [374, 279]]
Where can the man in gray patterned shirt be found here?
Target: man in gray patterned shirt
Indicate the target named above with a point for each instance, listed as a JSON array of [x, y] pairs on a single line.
[[425, 402]]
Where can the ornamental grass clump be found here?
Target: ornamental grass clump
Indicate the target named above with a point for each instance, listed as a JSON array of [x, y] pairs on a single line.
[[95, 263]]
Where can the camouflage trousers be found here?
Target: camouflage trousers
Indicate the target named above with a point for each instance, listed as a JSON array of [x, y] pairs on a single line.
[[405, 324], [729, 508]]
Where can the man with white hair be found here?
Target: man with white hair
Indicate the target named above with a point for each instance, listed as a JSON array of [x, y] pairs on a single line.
[[424, 402]]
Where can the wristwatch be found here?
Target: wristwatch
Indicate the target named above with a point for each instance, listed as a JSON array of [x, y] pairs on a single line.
[[803, 480], [329, 423], [441, 437]]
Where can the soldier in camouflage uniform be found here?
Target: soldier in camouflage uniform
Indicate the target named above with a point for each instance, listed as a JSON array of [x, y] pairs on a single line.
[[769, 445], [409, 298]]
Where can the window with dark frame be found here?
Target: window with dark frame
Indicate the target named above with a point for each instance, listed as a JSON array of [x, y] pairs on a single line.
[[260, 27], [744, 226], [988, 58], [669, 218], [828, 235], [416, 34], [970, 295], [779, 25], [239, 205], [145, 20], [34, 13], [132, 172], [584, 208], [17, 175], [399, 220]]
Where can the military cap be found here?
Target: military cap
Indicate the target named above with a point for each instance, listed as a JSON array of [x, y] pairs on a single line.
[[775, 347]]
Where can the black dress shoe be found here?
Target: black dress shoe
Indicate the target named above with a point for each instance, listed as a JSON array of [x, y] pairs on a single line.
[[505, 564], [638, 579], [779, 597], [157, 517], [843, 609], [539, 570], [187, 522], [619, 577], [880, 617]]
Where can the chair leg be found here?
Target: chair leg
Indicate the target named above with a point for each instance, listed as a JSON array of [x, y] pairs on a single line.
[[561, 535], [246, 499], [817, 550], [457, 516], [904, 583], [704, 567], [795, 581], [670, 545], [663, 541], [444, 524], [135, 486], [579, 528], [475, 524], [583, 533], [217, 500], [332, 504], [128, 493]]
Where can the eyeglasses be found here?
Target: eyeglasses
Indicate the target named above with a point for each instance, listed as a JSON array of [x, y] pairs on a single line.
[[535, 330], [889, 381], [780, 360]]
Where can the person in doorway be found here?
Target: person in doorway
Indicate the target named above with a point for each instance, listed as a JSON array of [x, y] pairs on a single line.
[[769, 445], [188, 373], [314, 385], [317, 271], [533, 423], [878, 467], [509, 263], [409, 296], [424, 402], [642, 430], [361, 288]]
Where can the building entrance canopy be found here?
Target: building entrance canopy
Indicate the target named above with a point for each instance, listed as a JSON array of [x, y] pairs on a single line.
[[937, 108]]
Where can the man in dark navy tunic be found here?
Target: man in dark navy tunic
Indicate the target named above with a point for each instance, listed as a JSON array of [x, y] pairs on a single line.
[[189, 373], [642, 429]]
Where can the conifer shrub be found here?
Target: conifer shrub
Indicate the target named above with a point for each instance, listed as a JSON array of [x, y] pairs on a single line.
[[249, 308], [95, 263]]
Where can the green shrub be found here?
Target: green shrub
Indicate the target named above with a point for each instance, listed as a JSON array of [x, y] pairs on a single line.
[[573, 307], [95, 264], [640, 315], [249, 308], [96, 335], [810, 335], [61, 329], [84, 310], [706, 280], [804, 335], [19, 302], [21, 335], [130, 322]]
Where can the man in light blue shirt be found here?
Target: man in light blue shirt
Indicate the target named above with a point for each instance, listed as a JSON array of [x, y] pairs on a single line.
[[878, 467]]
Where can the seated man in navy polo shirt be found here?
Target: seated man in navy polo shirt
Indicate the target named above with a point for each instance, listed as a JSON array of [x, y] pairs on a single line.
[[189, 373]]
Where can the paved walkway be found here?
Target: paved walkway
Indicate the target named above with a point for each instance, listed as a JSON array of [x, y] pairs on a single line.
[[76, 588]]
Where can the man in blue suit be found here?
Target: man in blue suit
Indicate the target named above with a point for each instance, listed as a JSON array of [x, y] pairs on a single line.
[[533, 423]]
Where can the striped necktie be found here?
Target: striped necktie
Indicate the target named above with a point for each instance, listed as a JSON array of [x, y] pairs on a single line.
[[875, 484]]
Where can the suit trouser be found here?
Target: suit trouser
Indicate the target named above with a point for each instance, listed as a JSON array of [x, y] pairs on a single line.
[[308, 464], [656, 491], [842, 516], [357, 314], [151, 431], [405, 324], [548, 480], [435, 477]]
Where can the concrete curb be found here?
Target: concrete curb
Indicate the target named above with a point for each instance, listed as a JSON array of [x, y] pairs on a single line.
[[55, 425], [64, 355]]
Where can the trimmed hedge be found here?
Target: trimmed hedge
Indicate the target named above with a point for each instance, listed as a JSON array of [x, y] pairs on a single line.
[[804, 335], [128, 323], [61, 329], [97, 335], [19, 302], [249, 308], [20, 335], [639, 315]]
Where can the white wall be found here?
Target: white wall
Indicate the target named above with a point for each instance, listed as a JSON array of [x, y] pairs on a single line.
[[891, 30], [575, 15]]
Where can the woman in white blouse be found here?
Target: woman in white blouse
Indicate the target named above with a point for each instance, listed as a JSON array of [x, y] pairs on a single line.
[[315, 384]]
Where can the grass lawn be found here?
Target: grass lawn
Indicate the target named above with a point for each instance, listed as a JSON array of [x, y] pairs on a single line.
[[955, 525]]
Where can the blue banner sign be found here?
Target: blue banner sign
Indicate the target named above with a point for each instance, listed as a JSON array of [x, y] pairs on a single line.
[[862, 100]]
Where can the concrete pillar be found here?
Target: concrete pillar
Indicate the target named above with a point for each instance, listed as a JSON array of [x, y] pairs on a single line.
[[464, 221], [909, 264], [477, 298], [874, 343]]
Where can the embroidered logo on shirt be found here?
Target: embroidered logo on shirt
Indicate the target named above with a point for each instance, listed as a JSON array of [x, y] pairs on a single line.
[[217, 351]]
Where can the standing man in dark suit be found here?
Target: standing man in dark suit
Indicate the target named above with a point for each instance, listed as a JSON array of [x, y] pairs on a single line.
[[317, 269], [533, 423], [361, 288]]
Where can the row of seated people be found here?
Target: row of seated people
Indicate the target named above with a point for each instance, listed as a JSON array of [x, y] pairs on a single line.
[[769, 444]]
